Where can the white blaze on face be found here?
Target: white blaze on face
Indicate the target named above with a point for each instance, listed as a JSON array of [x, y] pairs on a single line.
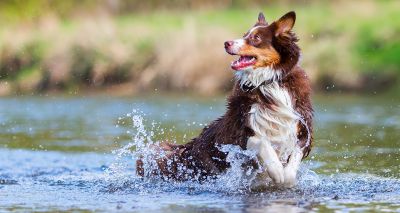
[[237, 44], [251, 31]]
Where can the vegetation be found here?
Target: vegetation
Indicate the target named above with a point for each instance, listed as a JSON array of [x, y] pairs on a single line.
[[58, 46]]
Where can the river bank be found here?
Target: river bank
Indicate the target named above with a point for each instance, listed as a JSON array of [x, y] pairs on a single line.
[[346, 46]]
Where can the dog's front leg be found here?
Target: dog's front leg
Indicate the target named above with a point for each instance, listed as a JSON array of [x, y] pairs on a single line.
[[268, 157], [290, 170]]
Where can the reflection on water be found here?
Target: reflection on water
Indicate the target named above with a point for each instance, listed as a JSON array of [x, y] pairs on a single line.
[[56, 154]]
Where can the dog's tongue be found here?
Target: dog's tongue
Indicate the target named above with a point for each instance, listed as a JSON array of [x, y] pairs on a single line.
[[242, 62]]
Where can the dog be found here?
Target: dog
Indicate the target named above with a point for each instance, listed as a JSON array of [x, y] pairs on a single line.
[[269, 111]]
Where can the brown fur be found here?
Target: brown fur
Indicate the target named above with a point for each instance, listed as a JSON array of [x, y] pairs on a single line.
[[201, 158]]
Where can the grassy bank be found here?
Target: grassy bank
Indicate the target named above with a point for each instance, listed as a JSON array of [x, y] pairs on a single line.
[[346, 46]]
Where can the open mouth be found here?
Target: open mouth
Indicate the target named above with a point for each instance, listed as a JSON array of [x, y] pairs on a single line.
[[243, 62]]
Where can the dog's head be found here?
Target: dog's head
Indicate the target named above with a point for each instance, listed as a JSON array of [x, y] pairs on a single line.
[[271, 46]]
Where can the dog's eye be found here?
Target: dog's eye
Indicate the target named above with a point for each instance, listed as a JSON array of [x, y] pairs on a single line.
[[255, 40]]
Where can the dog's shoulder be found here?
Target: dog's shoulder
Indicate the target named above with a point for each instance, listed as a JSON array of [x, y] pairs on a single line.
[[297, 83]]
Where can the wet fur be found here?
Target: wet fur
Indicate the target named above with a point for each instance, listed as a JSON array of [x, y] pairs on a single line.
[[200, 158]]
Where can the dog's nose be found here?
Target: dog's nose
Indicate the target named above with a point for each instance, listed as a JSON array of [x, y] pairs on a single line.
[[228, 44]]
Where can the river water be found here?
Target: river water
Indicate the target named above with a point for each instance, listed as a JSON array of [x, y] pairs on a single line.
[[76, 154]]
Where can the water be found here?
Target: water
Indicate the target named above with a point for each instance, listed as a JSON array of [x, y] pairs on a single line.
[[74, 154]]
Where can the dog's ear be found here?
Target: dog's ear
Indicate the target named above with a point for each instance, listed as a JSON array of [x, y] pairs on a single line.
[[285, 23], [261, 19]]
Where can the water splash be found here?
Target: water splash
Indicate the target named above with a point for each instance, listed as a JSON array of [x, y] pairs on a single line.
[[79, 180], [142, 146], [235, 178], [235, 181]]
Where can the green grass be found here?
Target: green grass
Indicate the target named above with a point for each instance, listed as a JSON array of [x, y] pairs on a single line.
[[379, 44]]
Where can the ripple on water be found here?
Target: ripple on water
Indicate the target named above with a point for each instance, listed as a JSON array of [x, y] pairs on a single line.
[[92, 181], [87, 183], [8, 182]]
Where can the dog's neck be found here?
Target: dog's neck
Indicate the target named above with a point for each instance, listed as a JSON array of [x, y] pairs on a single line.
[[250, 79]]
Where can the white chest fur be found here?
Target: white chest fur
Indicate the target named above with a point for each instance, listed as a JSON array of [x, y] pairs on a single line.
[[278, 125]]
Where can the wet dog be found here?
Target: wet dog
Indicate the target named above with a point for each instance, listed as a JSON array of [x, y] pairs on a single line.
[[269, 112]]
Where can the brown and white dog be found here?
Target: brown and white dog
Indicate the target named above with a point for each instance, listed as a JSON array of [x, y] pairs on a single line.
[[269, 111]]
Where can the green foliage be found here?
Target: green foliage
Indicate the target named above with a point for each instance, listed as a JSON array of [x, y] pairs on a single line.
[[31, 10], [340, 44], [379, 50], [82, 65], [12, 61]]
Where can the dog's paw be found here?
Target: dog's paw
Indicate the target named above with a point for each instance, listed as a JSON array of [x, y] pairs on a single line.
[[276, 172], [290, 177]]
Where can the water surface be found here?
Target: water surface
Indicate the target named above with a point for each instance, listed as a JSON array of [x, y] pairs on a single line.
[[64, 154]]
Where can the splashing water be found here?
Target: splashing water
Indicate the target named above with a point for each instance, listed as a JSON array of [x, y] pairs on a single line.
[[93, 181], [234, 180], [139, 148]]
